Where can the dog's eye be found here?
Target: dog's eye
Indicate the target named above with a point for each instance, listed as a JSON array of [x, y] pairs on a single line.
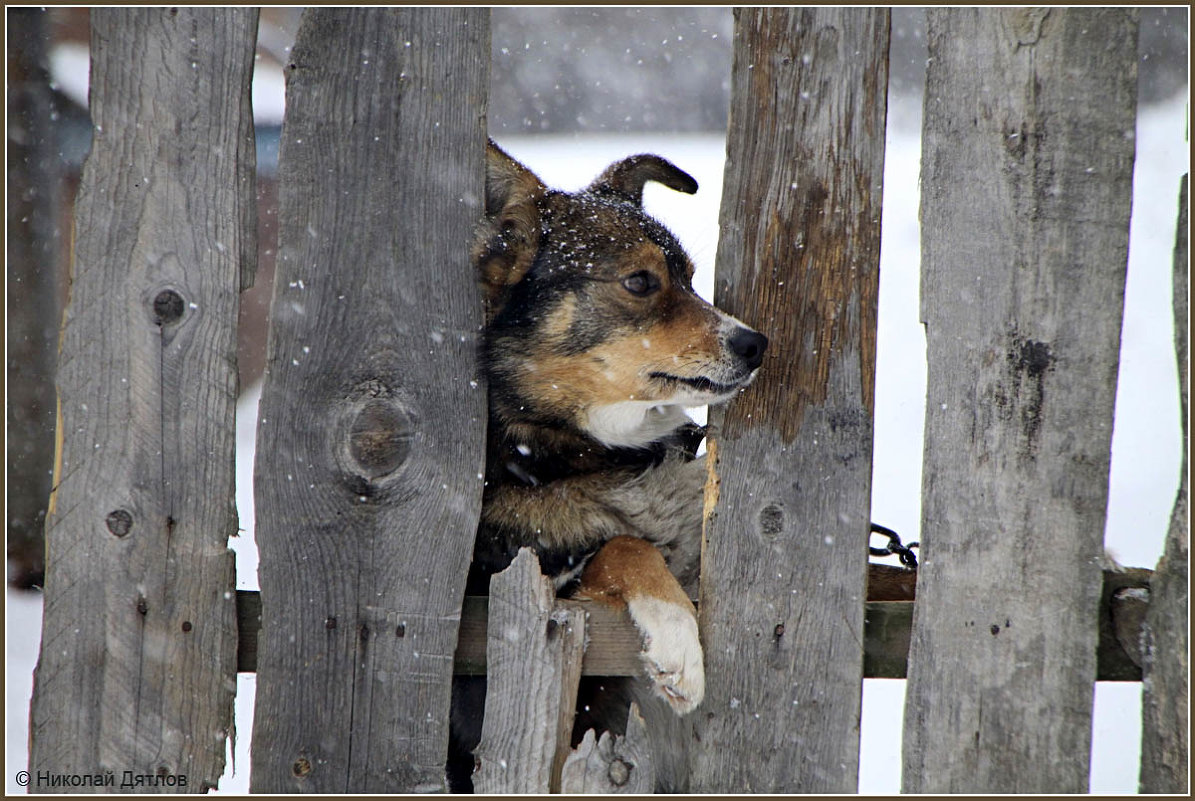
[[641, 283]]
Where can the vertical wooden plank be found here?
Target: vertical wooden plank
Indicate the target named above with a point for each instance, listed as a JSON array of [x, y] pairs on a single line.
[[138, 657], [612, 764], [372, 426], [1027, 161], [784, 567], [32, 290], [1166, 637], [533, 664], [573, 640]]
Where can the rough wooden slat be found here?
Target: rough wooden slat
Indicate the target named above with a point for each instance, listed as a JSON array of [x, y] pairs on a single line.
[[32, 289], [371, 429], [139, 642], [614, 643], [612, 764], [620, 641], [1027, 160], [573, 637], [534, 652], [1164, 738], [785, 559]]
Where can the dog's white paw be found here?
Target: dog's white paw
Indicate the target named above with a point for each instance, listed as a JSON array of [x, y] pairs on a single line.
[[671, 651]]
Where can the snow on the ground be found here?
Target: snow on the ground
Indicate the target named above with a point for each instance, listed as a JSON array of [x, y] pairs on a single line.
[[22, 638], [1146, 441]]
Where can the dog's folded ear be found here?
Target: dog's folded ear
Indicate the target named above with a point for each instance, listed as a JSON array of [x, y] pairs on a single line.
[[626, 178], [508, 239], [507, 182]]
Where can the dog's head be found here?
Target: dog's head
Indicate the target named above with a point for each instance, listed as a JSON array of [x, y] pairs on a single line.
[[593, 321]]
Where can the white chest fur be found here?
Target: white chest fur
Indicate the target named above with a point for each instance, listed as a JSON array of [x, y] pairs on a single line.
[[633, 424]]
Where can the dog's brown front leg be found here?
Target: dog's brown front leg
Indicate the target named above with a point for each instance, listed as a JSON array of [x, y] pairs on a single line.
[[630, 572]]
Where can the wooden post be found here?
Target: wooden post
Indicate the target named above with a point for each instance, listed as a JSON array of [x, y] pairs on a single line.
[[1027, 163], [372, 428], [533, 658], [33, 289], [138, 657], [784, 567], [1164, 742]]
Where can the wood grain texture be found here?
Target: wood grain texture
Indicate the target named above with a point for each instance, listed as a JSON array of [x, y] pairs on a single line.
[[533, 661], [372, 424], [1027, 161], [1164, 703], [614, 645], [785, 553], [138, 654], [612, 764]]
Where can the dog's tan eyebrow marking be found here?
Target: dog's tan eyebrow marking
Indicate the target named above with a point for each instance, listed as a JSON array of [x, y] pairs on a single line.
[[649, 255]]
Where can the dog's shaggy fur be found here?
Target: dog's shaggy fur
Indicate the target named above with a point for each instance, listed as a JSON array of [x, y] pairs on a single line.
[[595, 343]]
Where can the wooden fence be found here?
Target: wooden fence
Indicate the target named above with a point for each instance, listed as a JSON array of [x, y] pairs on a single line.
[[372, 424]]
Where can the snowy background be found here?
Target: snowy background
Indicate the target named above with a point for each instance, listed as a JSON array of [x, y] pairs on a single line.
[[1146, 439]]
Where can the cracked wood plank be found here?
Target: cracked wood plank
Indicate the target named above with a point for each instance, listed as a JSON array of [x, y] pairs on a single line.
[[785, 553], [1164, 704], [138, 655], [371, 434], [1027, 164]]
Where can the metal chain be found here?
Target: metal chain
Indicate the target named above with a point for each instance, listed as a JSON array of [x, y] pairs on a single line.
[[904, 552]]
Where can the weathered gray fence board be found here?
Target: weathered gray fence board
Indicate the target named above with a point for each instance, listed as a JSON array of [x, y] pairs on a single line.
[[614, 644], [32, 290], [785, 559], [1164, 740], [533, 660], [1027, 158], [138, 655], [612, 764], [372, 428]]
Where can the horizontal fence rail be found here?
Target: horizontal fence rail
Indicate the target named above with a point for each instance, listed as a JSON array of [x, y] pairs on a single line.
[[613, 642]]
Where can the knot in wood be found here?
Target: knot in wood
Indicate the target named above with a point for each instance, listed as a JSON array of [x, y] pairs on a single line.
[[168, 307], [301, 767], [618, 772], [771, 521], [119, 522], [1027, 24], [379, 438]]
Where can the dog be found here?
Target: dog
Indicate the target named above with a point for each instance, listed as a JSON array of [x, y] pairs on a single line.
[[595, 344]]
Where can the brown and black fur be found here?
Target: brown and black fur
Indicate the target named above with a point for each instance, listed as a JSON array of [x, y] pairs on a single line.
[[594, 343]]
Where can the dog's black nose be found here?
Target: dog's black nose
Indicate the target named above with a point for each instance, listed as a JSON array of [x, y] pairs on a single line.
[[749, 346]]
